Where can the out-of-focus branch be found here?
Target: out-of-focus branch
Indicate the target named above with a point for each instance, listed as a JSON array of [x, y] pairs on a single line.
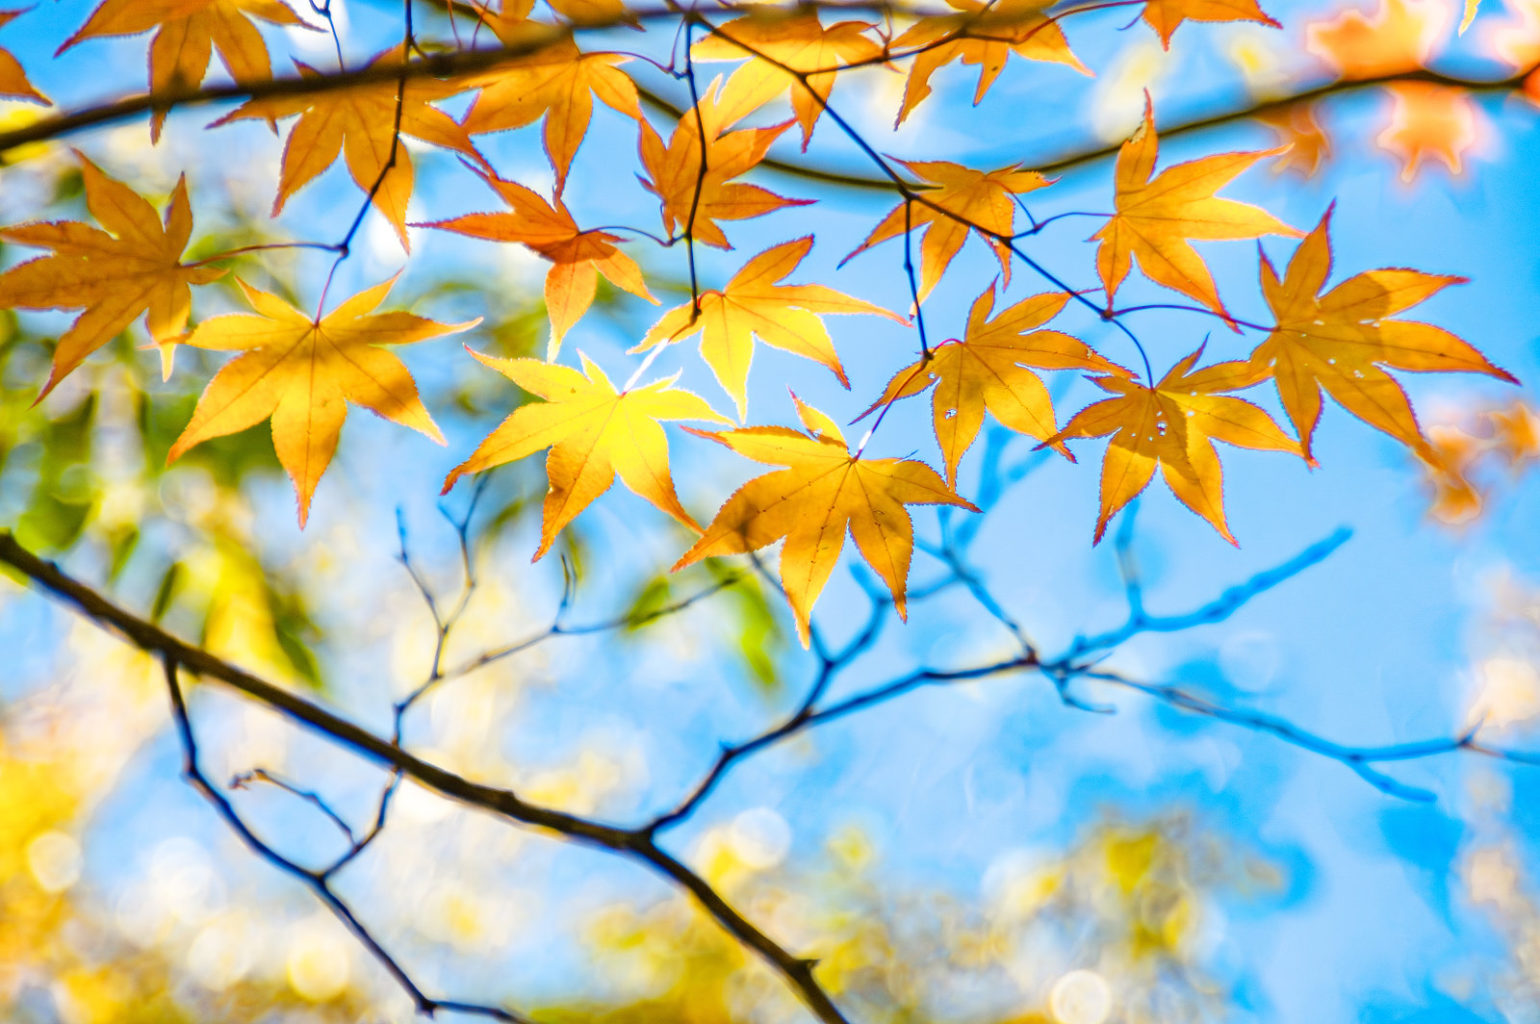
[[635, 844], [1220, 608], [319, 882]]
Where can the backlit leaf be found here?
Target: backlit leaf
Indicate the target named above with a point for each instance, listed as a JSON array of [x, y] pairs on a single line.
[[1174, 425], [114, 277], [577, 257], [754, 305], [1342, 340], [989, 369], [358, 124], [302, 371], [963, 199], [593, 432], [1159, 216], [823, 492]]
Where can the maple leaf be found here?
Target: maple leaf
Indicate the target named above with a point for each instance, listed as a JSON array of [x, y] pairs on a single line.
[[676, 171], [1429, 122], [593, 12], [1448, 462], [302, 371], [358, 123], [593, 431], [557, 81], [13, 77], [189, 31], [1165, 15], [1305, 143], [1399, 37], [980, 33], [776, 41], [963, 198], [1341, 341], [114, 277], [1174, 425], [1426, 121], [989, 369], [1158, 217], [577, 257], [1516, 434], [823, 492], [753, 304]]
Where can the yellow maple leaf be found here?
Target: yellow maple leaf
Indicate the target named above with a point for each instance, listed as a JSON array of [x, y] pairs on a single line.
[[302, 371], [13, 77], [824, 491], [188, 33], [1340, 341], [1174, 425], [675, 171], [577, 257], [358, 124], [753, 304], [593, 12], [1159, 215], [979, 33], [1515, 39], [989, 369], [1165, 15], [796, 40], [115, 277], [593, 432], [962, 199], [557, 81]]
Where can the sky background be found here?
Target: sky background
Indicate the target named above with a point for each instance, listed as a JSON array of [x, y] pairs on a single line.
[[1381, 643]]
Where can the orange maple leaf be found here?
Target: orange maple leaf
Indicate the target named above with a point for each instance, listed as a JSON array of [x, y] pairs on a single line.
[[577, 257], [558, 81], [1448, 463], [13, 77], [188, 33], [1341, 340], [1426, 121], [989, 369], [1399, 37], [1174, 425], [753, 304], [1430, 122], [1158, 217], [823, 492], [358, 123], [1165, 15], [980, 33], [962, 199], [115, 277], [1305, 143], [302, 371], [676, 171], [1516, 434], [777, 40], [593, 431]]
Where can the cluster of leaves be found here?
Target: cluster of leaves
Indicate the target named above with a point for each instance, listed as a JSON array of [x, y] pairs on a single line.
[[300, 370]]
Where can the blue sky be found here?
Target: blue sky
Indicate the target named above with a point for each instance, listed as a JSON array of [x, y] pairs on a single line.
[[1374, 646]]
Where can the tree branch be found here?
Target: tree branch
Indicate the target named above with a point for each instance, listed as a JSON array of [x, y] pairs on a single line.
[[633, 844]]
